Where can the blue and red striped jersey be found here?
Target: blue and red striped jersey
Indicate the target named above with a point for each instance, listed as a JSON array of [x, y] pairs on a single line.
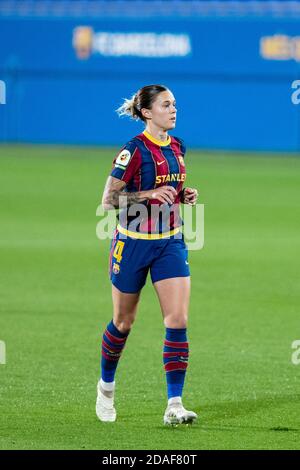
[[146, 163]]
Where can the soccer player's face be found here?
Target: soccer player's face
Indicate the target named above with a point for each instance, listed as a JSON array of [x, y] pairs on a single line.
[[163, 111]]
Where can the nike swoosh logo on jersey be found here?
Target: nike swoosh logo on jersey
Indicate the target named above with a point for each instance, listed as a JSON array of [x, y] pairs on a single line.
[[159, 163]]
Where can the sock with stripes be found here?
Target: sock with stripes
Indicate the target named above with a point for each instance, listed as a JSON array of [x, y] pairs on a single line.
[[175, 356], [113, 343]]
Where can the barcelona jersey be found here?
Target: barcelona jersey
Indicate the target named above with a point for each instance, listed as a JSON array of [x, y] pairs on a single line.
[[146, 163]]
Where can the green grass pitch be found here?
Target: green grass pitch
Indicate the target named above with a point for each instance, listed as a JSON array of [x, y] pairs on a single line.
[[55, 302]]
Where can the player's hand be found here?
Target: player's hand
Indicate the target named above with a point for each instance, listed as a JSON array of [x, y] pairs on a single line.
[[190, 196], [164, 194]]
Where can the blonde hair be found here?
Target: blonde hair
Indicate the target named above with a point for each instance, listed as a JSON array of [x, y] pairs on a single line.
[[143, 98], [129, 108]]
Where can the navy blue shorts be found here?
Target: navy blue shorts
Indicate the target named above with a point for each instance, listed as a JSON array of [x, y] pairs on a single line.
[[131, 258]]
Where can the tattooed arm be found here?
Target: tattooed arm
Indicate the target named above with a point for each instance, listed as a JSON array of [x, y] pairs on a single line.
[[115, 197]]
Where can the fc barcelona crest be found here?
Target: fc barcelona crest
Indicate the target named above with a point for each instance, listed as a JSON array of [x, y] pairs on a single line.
[[116, 268]]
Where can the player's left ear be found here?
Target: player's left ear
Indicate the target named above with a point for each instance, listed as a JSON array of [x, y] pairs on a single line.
[[146, 113]]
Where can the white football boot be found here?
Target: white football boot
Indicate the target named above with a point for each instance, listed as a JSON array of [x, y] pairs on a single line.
[[177, 414], [105, 409]]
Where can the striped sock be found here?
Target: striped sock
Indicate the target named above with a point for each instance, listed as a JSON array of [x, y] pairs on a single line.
[[112, 345], [176, 354]]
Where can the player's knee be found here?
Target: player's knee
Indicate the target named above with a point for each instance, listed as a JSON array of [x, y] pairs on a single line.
[[124, 324], [176, 321]]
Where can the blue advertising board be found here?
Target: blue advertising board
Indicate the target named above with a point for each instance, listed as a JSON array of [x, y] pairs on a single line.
[[231, 77]]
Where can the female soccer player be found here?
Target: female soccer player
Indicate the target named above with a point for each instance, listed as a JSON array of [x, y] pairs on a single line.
[[147, 179]]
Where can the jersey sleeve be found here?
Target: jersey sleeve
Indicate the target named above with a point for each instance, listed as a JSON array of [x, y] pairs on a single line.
[[127, 162], [181, 145]]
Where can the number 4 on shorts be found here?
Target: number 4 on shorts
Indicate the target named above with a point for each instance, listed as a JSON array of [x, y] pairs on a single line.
[[118, 251]]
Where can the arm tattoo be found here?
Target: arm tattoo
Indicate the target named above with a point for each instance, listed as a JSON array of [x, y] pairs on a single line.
[[120, 199]]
